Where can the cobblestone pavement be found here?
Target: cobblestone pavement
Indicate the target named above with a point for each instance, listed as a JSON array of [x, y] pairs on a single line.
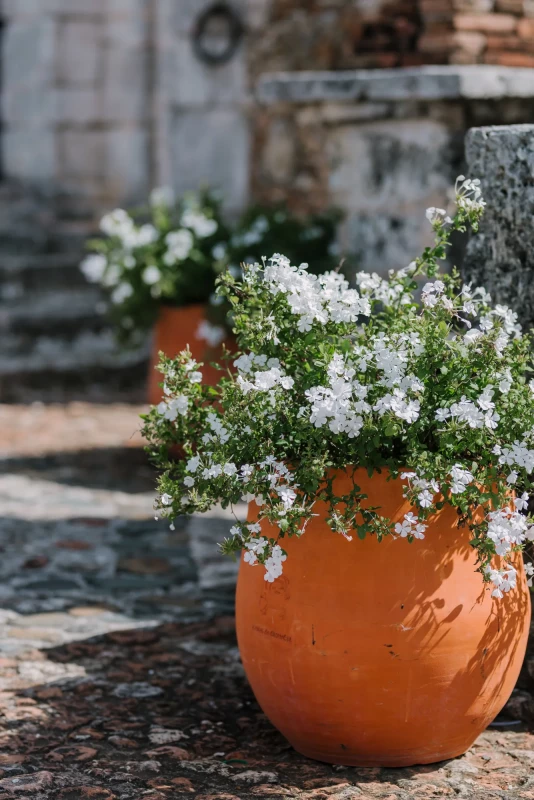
[[119, 672]]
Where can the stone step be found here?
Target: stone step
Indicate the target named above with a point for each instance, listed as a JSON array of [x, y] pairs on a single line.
[[21, 274], [98, 384], [87, 349], [35, 312]]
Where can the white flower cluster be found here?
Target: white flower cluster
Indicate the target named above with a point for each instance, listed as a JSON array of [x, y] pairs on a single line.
[[171, 408], [411, 526], [469, 194], [503, 579], [475, 415], [461, 478], [508, 529], [119, 224], [324, 298], [201, 225], [179, 244], [516, 455], [273, 564], [262, 380], [387, 292], [426, 489], [339, 405]]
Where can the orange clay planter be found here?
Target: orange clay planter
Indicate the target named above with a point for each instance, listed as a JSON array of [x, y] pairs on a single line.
[[175, 329], [380, 654]]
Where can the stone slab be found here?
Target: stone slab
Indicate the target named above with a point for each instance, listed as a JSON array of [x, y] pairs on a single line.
[[414, 83], [501, 256]]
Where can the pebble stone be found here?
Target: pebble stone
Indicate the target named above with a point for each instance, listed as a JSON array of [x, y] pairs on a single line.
[[121, 682]]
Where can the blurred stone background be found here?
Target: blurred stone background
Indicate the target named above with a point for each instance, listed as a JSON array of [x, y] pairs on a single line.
[[102, 101]]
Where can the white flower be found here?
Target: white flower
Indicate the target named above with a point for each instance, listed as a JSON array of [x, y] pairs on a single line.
[[442, 414], [461, 478], [506, 529], [469, 194], [151, 275], [219, 251], [166, 500], [437, 216], [116, 223], [273, 564], [503, 579], [199, 223], [254, 548], [121, 293], [512, 477], [230, 469], [214, 335], [287, 495], [189, 481], [179, 244], [193, 464], [171, 409], [195, 377], [94, 267], [521, 503]]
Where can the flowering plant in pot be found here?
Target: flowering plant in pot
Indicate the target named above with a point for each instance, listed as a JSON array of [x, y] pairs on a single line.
[[385, 445], [160, 266]]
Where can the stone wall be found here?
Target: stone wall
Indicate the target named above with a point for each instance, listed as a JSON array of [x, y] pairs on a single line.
[[381, 145], [102, 100], [501, 256]]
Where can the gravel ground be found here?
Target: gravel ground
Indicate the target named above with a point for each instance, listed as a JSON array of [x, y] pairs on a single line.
[[119, 672]]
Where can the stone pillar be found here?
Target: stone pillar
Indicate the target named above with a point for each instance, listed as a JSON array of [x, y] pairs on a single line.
[[28, 75], [201, 109], [501, 256]]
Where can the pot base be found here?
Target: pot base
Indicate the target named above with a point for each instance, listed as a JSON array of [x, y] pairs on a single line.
[[385, 763]]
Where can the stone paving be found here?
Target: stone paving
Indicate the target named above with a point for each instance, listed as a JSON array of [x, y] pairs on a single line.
[[119, 672]]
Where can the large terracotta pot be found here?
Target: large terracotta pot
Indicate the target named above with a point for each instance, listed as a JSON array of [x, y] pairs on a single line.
[[175, 329], [380, 654]]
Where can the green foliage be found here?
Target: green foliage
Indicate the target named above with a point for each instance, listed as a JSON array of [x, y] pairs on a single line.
[[437, 390]]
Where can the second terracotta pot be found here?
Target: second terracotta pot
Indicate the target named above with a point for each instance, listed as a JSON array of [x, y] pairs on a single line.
[[380, 654], [175, 329]]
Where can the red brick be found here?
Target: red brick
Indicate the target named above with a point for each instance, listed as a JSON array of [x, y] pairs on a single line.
[[525, 28], [486, 23], [510, 59], [505, 43]]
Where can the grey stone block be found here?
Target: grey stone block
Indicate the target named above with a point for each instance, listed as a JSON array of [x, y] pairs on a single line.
[[414, 83], [127, 156], [29, 153], [79, 55], [28, 53], [384, 175], [211, 147], [125, 97], [76, 106], [28, 103], [501, 256], [82, 153], [19, 8]]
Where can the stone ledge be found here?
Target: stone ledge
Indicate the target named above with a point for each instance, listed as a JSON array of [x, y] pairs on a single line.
[[477, 82]]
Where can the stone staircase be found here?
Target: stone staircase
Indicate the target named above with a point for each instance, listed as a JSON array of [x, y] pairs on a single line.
[[56, 343]]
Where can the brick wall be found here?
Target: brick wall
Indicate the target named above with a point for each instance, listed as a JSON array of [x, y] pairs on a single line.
[[353, 34]]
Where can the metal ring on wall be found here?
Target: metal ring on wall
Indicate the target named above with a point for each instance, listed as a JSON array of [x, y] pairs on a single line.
[[217, 34]]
